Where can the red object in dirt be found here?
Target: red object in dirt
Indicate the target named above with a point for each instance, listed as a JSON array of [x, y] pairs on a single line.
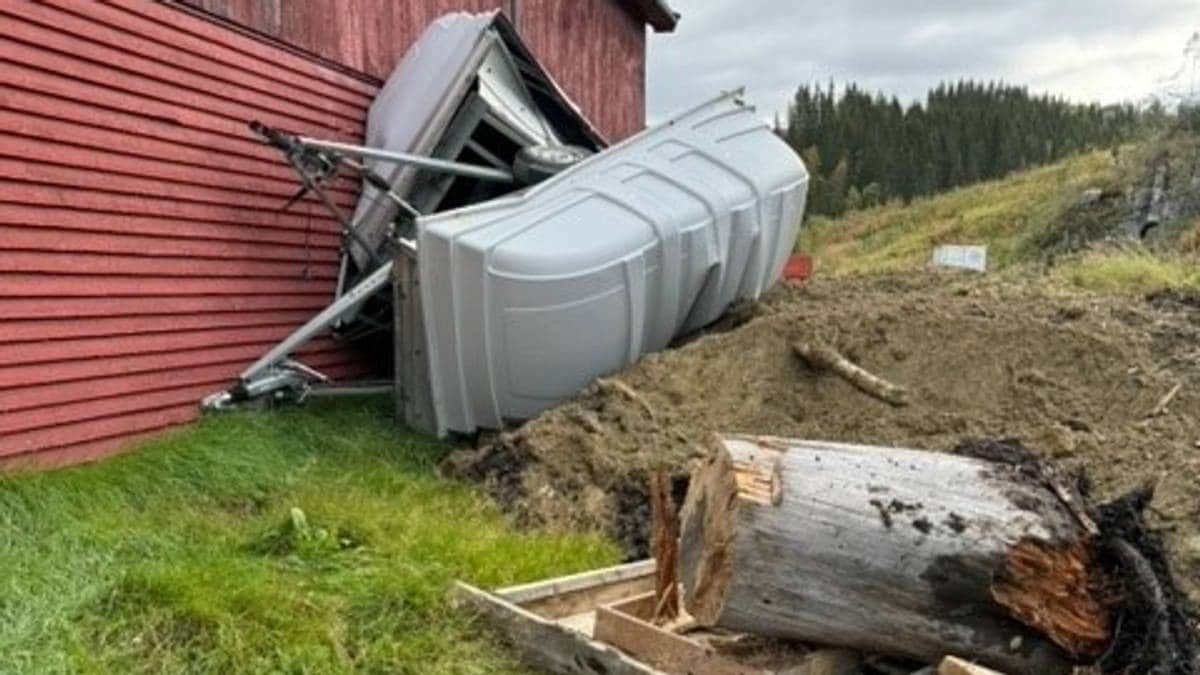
[[799, 268]]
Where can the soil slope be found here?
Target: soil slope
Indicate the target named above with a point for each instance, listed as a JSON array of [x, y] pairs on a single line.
[[1073, 377]]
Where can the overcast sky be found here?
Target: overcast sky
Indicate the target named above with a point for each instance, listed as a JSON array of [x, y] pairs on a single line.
[[1088, 50]]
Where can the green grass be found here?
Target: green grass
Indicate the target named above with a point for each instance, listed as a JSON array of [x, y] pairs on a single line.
[[1027, 221], [1006, 215], [1135, 271], [297, 541]]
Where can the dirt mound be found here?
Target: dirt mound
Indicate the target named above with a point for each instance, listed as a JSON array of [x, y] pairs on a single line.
[[1073, 377]]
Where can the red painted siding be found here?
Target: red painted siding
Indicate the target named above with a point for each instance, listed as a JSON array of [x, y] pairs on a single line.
[[143, 262], [595, 49], [368, 36]]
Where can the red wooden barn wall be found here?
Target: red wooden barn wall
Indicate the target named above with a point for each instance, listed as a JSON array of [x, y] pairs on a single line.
[[143, 262], [367, 36], [595, 49]]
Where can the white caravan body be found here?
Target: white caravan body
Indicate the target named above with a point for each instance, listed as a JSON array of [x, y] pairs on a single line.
[[530, 297]]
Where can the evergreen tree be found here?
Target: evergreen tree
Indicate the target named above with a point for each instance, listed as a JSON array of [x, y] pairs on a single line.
[[863, 150]]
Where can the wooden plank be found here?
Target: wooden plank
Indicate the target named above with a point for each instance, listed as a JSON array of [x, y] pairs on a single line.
[[574, 602], [659, 648], [545, 644], [140, 181], [101, 24], [41, 104], [142, 76], [55, 150], [217, 42], [952, 665], [570, 595], [84, 372], [98, 429], [35, 284], [107, 201], [319, 240], [104, 264], [99, 348], [43, 330], [538, 590], [199, 369], [414, 398], [21, 309]]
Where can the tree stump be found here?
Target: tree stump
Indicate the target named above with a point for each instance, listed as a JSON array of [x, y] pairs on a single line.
[[892, 551]]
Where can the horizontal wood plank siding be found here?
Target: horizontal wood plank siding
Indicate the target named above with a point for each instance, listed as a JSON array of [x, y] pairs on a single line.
[[143, 259], [595, 49], [367, 36]]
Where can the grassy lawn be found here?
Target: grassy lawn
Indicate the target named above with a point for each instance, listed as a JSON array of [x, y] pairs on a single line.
[[299, 541], [1132, 270]]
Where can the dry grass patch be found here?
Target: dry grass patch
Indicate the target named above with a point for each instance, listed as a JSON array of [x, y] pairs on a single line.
[[1005, 215]]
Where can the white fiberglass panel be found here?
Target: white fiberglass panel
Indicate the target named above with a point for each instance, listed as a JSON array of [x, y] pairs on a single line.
[[530, 297]]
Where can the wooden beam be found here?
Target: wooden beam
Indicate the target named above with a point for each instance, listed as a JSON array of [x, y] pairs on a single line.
[[623, 625], [414, 397], [569, 595], [545, 644], [952, 665]]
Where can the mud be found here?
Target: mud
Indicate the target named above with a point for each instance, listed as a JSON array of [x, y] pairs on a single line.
[[1072, 377]]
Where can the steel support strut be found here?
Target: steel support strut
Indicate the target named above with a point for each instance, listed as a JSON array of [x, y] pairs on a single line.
[[315, 160]]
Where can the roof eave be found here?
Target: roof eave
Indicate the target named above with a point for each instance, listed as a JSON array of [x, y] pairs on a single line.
[[657, 13]]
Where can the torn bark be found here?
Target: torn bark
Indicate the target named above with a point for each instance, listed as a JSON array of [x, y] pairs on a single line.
[[827, 358], [664, 543], [891, 551]]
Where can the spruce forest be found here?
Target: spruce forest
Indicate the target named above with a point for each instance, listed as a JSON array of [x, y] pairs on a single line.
[[863, 150]]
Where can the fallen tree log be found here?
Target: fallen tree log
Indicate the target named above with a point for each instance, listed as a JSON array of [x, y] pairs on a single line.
[[891, 551]]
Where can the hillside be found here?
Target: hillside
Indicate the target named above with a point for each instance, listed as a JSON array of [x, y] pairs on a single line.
[[1078, 219]]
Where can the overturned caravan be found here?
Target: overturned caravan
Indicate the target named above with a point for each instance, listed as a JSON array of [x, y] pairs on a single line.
[[511, 255], [468, 115], [528, 298]]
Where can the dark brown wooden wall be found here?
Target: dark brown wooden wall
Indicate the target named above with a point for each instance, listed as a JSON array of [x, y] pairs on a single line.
[[595, 49]]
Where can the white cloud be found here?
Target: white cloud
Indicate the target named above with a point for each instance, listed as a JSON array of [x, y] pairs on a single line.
[[1094, 50]]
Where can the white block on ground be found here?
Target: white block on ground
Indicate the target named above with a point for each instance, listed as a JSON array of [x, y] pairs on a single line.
[[972, 258]]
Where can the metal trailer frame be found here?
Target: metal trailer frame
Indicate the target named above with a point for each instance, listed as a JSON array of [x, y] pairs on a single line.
[[274, 371], [499, 85]]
